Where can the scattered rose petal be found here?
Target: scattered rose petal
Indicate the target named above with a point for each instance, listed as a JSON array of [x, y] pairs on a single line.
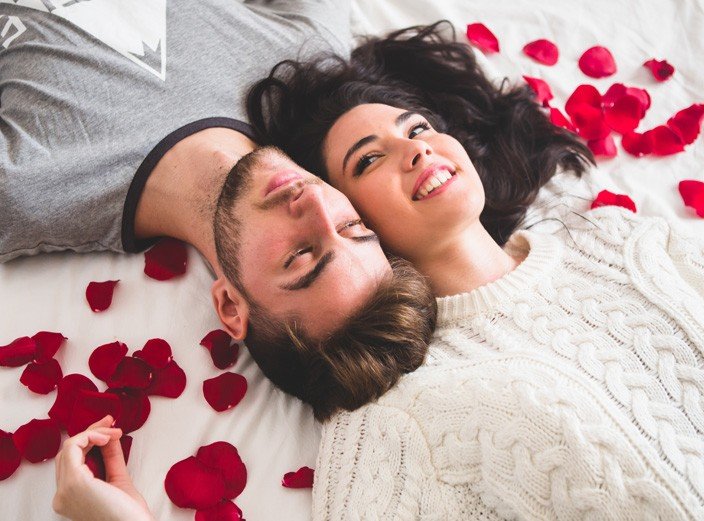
[[224, 511], [166, 260], [542, 51], [302, 478], [68, 388], [48, 343], [624, 115], [135, 407], [169, 381], [223, 457], [687, 123], [94, 458], [91, 406], [692, 193], [589, 122], [480, 36], [104, 359], [131, 372], [38, 440], [42, 378], [584, 94], [222, 350], [10, 457], [597, 62], [660, 68], [636, 144], [225, 391], [541, 89], [17, 353], [191, 484], [156, 352], [606, 198], [664, 141], [99, 294], [618, 90], [558, 119], [603, 147]]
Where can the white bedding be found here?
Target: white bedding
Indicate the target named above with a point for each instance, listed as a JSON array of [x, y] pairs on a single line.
[[274, 433]]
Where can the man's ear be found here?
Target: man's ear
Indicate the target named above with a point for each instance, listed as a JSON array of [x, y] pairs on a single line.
[[232, 308]]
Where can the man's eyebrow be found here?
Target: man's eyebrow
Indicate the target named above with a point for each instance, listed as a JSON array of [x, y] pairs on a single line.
[[310, 277], [366, 238]]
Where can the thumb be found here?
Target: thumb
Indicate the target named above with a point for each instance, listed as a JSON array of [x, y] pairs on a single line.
[[115, 467]]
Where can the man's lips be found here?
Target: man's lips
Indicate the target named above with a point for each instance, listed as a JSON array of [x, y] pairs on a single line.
[[427, 173], [280, 179]]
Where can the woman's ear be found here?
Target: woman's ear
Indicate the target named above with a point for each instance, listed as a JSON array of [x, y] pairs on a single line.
[[232, 308]]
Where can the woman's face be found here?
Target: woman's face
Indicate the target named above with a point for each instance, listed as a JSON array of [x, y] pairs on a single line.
[[415, 187]]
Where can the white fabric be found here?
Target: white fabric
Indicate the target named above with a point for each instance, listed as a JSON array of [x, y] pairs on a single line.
[[275, 433], [571, 388]]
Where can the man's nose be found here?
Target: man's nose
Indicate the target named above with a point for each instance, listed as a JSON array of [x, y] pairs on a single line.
[[312, 208]]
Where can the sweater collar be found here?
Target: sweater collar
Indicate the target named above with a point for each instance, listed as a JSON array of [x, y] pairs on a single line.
[[543, 251]]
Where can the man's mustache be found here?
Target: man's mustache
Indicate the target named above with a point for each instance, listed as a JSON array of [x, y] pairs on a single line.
[[284, 195]]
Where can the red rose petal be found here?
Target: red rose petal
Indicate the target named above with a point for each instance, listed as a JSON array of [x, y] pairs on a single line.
[[687, 123], [104, 359], [302, 478], [17, 353], [166, 260], [89, 407], [42, 378], [99, 294], [10, 457], [636, 144], [480, 36], [225, 391], [542, 51], [660, 68], [131, 372], [169, 381], [135, 407], [191, 484], [558, 119], [589, 122], [222, 351], [541, 89], [38, 440], [618, 90], [584, 94], [692, 193], [606, 198], [664, 141], [225, 458], [624, 115], [68, 388], [48, 344], [597, 62], [603, 147], [94, 458], [156, 352], [225, 511]]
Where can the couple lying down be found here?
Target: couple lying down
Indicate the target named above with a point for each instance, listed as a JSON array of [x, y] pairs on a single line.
[[469, 369]]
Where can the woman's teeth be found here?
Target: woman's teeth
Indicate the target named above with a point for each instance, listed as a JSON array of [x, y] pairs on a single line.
[[434, 181]]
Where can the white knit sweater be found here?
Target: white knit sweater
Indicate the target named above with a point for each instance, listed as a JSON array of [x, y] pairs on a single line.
[[571, 388]]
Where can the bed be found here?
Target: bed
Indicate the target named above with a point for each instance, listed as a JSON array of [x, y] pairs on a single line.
[[273, 433]]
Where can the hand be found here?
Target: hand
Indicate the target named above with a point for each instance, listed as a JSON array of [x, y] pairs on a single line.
[[81, 496]]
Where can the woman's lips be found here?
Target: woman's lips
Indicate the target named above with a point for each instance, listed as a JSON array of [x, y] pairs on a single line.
[[281, 179], [426, 175]]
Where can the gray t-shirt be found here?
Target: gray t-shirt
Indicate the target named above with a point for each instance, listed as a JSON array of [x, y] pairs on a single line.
[[94, 92]]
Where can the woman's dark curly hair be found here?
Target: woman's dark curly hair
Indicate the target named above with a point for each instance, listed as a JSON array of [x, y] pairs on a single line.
[[507, 135]]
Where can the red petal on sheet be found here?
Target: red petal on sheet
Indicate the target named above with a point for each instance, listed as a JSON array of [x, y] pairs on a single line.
[[10, 457], [618, 90], [131, 372], [104, 359], [302, 478], [636, 144], [606, 198], [19, 352], [222, 351], [48, 344], [69, 386], [38, 440], [99, 294], [156, 352], [660, 68], [542, 51], [166, 260], [225, 391], [169, 381], [225, 511], [664, 141], [223, 457], [692, 193], [624, 115], [597, 62], [687, 123], [558, 119], [191, 484], [584, 94], [42, 378], [135, 408], [589, 122], [605, 147], [542, 90], [89, 407], [94, 458], [480, 36]]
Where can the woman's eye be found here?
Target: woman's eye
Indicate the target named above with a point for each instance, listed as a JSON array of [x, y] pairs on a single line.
[[418, 129], [363, 163]]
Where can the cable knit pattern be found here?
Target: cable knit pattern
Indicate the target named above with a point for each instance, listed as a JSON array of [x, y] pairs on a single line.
[[571, 388]]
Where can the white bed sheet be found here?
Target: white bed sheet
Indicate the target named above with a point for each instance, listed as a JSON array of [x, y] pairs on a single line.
[[275, 433]]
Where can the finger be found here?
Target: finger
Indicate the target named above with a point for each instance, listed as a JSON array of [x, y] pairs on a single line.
[[76, 448], [105, 421], [114, 459]]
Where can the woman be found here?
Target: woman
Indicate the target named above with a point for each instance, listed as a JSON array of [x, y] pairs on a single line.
[[565, 376]]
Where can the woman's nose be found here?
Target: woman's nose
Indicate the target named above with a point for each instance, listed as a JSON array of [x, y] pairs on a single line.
[[418, 151]]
